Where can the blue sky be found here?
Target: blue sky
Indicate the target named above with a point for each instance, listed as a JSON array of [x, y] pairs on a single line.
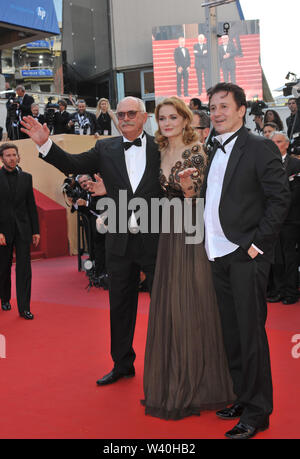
[[280, 36]]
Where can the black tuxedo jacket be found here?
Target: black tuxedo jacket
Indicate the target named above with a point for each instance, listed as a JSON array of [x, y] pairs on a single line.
[[201, 59], [180, 59], [255, 196], [108, 158], [25, 106], [292, 167], [19, 212], [61, 122], [293, 124], [228, 63]]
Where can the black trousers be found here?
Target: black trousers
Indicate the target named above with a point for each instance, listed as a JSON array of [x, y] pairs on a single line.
[[229, 74], [199, 71], [285, 279], [124, 276], [184, 75], [241, 284], [23, 272]]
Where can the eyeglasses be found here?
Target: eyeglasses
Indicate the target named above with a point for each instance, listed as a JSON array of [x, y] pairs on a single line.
[[199, 127], [131, 114]]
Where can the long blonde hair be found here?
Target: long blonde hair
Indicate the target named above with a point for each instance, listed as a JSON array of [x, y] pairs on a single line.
[[189, 135], [98, 109]]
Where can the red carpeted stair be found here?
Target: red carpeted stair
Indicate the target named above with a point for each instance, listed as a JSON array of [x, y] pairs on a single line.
[[248, 69], [48, 378]]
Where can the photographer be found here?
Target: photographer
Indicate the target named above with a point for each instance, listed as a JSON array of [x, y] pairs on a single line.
[[83, 122], [61, 119], [24, 101], [50, 110], [82, 201], [256, 110], [293, 126], [13, 117]]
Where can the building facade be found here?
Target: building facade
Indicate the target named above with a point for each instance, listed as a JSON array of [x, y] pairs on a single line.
[[107, 44]]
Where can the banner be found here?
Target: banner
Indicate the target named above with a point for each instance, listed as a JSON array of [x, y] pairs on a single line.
[[182, 61], [32, 14]]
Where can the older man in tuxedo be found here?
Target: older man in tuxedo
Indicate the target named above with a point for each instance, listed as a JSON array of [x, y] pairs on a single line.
[[201, 62], [285, 274], [19, 227], [246, 201], [227, 54], [130, 164]]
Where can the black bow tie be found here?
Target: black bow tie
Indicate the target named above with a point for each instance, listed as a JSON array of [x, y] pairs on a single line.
[[137, 142], [218, 144]]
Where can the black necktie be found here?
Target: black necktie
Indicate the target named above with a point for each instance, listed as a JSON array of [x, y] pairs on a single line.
[[218, 144], [137, 142]]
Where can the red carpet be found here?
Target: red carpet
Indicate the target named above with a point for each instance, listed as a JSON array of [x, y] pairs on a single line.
[[48, 378]]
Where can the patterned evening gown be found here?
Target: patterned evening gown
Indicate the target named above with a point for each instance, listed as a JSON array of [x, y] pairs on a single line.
[[186, 369]]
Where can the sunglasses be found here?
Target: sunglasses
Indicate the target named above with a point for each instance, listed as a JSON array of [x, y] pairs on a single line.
[[131, 114], [199, 127]]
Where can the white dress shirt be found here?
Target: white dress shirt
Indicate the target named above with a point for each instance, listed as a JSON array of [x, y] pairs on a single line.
[[135, 158], [216, 243]]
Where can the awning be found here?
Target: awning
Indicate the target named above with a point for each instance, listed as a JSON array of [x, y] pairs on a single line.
[[23, 21]]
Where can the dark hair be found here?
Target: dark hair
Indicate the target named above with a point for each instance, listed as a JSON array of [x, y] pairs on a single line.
[[237, 92], [271, 124], [204, 118], [62, 102], [197, 102], [277, 119], [6, 146]]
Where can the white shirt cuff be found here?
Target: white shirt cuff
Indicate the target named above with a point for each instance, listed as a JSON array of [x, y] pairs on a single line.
[[256, 248], [45, 148]]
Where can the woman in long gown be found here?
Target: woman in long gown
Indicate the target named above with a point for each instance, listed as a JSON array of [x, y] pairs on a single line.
[[186, 370]]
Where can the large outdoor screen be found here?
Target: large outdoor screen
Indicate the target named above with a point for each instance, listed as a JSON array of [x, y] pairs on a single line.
[[182, 61]]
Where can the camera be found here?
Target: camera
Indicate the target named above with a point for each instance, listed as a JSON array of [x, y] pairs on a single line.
[[73, 190], [50, 110], [12, 108], [257, 108]]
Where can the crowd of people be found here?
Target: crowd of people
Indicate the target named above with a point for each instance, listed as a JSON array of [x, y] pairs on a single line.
[[207, 346], [57, 117]]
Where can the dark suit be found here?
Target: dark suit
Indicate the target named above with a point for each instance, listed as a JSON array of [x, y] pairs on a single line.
[[126, 254], [18, 222], [25, 109], [285, 269], [183, 61], [254, 202], [201, 65], [61, 120], [228, 64]]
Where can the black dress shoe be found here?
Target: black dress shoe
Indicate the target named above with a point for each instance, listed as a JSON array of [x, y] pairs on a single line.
[[27, 315], [6, 306], [233, 412], [114, 376], [289, 300], [274, 299], [244, 431]]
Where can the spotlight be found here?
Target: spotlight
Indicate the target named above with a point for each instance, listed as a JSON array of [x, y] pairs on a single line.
[[226, 27]]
